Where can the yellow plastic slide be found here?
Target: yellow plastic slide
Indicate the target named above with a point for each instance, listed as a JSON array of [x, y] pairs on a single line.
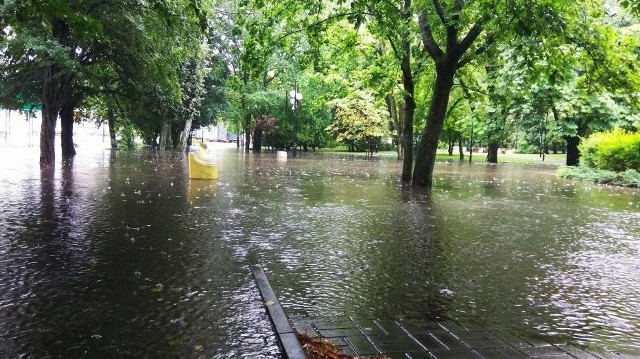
[[199, 169]]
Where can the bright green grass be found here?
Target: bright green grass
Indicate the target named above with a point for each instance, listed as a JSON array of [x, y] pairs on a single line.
[[551, 159]]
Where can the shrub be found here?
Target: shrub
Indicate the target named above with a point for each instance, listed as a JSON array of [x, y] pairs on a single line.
[[617, 150], [628, 178]]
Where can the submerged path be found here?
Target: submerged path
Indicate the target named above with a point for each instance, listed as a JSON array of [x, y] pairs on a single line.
[[411, 339]]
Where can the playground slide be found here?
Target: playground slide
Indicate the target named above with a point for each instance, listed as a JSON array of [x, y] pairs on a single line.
[[199, 169]]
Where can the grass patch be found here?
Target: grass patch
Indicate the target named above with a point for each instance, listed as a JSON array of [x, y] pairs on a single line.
[[628, 178]]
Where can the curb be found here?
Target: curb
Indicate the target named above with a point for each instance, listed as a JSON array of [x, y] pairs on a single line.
[[287, 336]]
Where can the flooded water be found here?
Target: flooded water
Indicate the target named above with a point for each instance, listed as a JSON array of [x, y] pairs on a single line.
[[121, 255]]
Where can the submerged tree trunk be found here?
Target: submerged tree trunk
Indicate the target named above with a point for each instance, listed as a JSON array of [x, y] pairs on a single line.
[[50, 111], [247, 132], [165, 135], [492, 152], [66, 124], [396, 121], [48, 133], [111, 121], [426, 156], [184, 135], [409, 99], [257, 140], [573, 154]]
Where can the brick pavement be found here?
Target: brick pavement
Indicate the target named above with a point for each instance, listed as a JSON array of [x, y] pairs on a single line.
[[419, 339]]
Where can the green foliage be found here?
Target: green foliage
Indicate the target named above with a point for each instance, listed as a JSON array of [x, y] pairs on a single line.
[[617, 150], [628, 178], [358, 120]]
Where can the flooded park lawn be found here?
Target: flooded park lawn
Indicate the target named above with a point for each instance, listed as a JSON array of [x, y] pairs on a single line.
[[119, 254]]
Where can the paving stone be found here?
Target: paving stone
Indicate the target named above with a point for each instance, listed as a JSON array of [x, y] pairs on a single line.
[[389, 327], [501, 353], [414, 325], [576, 352], [512, 339], [451, 326], [543, 351], [456, 354], [475, 334], [369, 326], [332, 323], [391, 344], [448, 340], [340, 332], [304, 326], [429, 341], [536, 341], [418, 356], [361, 345], [346, 349], [485, 343]]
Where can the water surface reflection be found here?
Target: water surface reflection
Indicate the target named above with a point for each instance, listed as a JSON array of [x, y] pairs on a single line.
[[122, 255]]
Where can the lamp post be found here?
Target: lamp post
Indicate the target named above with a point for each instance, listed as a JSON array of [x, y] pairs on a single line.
[[294, 100]]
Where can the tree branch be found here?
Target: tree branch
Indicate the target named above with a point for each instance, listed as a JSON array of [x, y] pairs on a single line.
[[440, 11], [479, 51], [427, 38]]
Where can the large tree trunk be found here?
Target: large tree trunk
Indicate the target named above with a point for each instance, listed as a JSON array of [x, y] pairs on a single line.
[[573, 154], [48, 133], [426, 156], [247, 132], [165, 135], [492, 152], [50, 110], [257, 140], [409, 99], [184, 135], [66, 124], [111, 121]]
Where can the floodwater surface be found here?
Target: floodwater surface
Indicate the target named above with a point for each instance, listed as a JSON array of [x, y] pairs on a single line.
[[119, 254]]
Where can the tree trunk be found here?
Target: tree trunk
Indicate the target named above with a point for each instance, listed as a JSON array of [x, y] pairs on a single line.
[[165, 135], [257, 140], [48, 133], [66, 124], [460, 150], [409, 99], [426, 156], [50, 110], [111, 121], [184, 135], [452, 144], [392, 106], [247, 132], [573, 154], [492, 152]]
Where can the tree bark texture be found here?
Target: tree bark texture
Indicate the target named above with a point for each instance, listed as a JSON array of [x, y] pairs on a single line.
[[409, 99], [165, 135], [66, 124], [426, 156], [257, 140], [111, 121], [56, 88], [247, 132], [184, 135], [492, 152], [573, 154]]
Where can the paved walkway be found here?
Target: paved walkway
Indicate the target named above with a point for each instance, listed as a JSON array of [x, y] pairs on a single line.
[[418, 339], [411, 339]]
